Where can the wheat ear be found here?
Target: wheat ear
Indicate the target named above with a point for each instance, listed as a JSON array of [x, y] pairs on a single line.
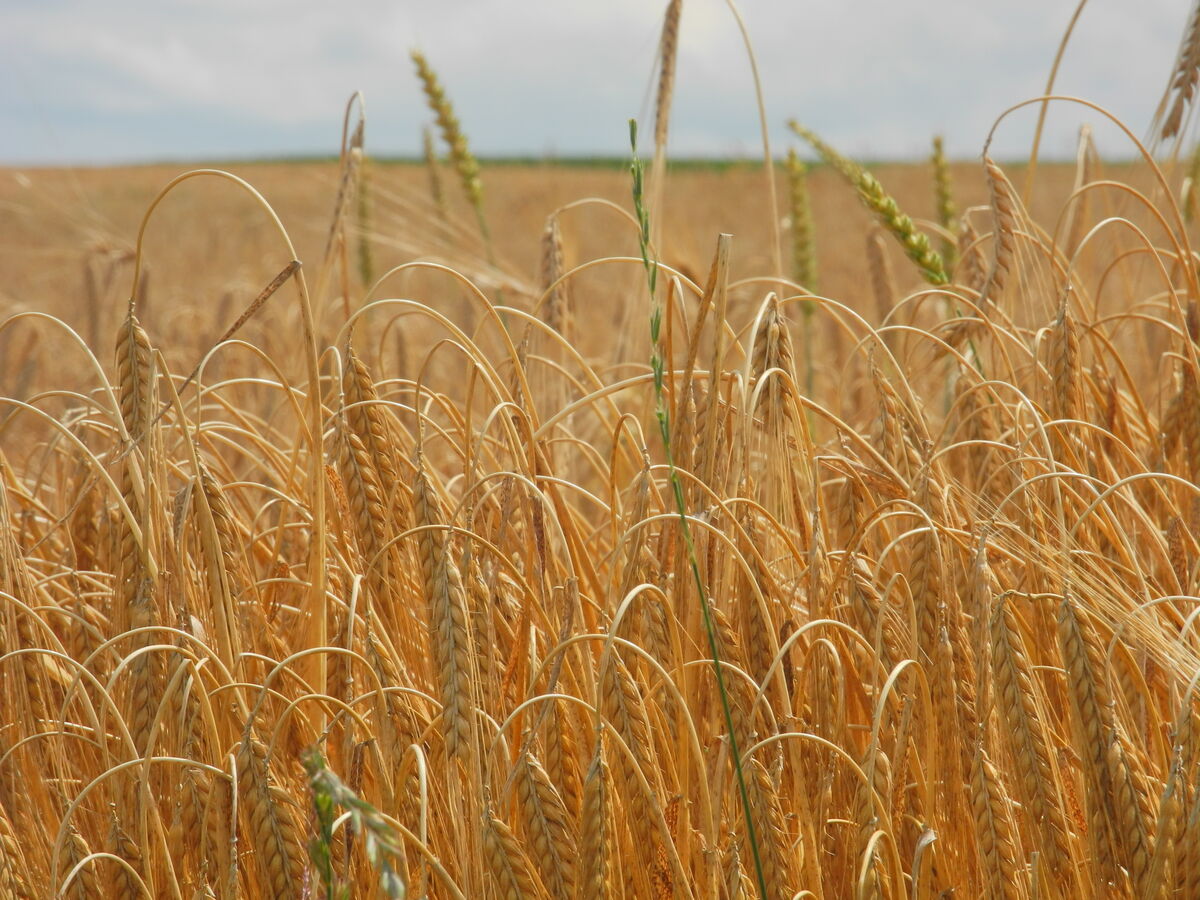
[[448, 619], [124, 885], [994, 831], [804, 259], [943, 197], [1025, 733], [277, 840], [556, 311], [667, 50], [14, 878], [915, 243], [1106, 762], [548, 827], [85, 885], [507, 863], [1184, 76], [461, 156], [1004, 229], [595, 850]]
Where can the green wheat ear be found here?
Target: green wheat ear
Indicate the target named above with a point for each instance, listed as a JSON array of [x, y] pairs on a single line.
[[944, 197], [915, 243], [804, 257], [464, 160]]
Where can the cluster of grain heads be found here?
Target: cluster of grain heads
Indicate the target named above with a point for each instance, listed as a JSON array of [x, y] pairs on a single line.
[[899, 629]]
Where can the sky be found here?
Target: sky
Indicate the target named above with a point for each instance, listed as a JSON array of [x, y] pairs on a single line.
[[86, 81]]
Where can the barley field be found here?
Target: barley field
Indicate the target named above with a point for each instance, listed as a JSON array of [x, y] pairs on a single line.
[[377, 529]]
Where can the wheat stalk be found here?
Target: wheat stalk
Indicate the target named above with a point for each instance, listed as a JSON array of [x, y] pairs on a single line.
[[943, 198]]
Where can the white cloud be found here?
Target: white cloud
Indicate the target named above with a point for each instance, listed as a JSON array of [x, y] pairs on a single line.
[[271, 76]]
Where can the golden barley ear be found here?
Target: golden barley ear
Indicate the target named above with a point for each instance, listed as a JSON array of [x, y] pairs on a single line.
[[85, 884], [767, 814], [134, 376], [363, 215], [125, 883], [994, 829], [271, 828], [1065, 369], [1118, 809], [1005, 209], [595, 829], [1080, 212], [556, 308], [1037, 777], [507, 863], [549, 831], [15, 878], [450, 635], [1174, 106], [972, 269]]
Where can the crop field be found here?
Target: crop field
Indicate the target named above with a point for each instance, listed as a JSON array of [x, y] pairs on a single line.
[[382, 529]]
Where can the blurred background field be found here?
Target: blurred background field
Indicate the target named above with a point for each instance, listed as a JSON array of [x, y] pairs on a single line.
[[66, 236]]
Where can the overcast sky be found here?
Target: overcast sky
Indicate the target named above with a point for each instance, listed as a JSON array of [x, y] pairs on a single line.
[[131, 80]]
